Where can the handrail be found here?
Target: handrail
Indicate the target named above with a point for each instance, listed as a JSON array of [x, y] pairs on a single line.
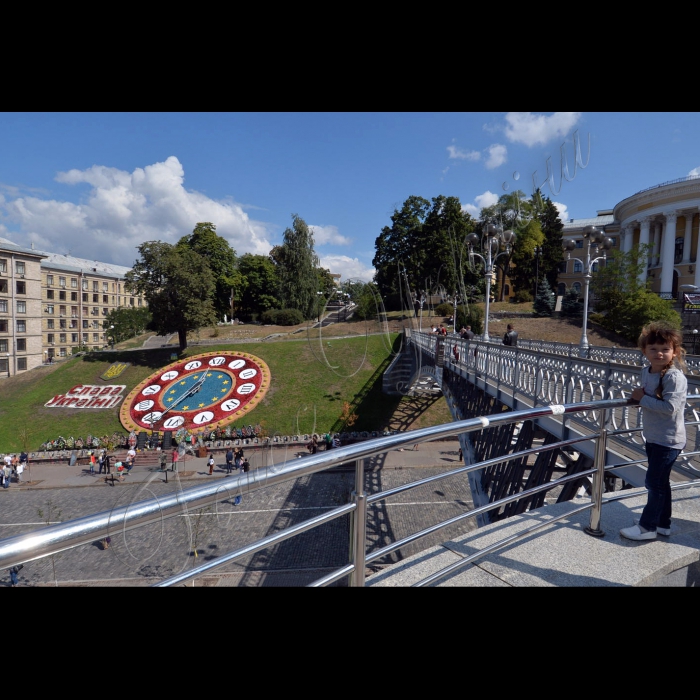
[[56, 538]]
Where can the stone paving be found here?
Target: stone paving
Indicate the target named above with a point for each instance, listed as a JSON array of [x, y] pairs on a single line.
[[57, 492]]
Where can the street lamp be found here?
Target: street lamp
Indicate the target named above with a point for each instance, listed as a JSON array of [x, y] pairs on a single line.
[[492, 239], [455, 301], [538, 253], [319, 295], [8, 365], [111, 336], [420, 301], [596, 239], [695, 337]]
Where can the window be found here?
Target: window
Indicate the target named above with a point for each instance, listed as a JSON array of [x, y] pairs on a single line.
[[62, 352], [49, 280], [21, 363], [95, 337], [140, 300], [577, 287], [74, 296], [21, 287], [85, 323], [49, 293], [679, 250], [21, 307], [105, 286], [578, 266], [95, 298], [131, 301], [95, 324], [579, 243], [19, 267], [614, 241], [561, 289], [562, 266], [74, 337], [49, 323], [22, 344], [74, 282], [104, 311], [85, 338], [3, 264], [62, 310], [3, 346], [74, 311], [3, 286], [3, 326], [49, 308], [3, 305], [95, 311], [85, 297], [61, 296], [21, 326], [95, 286], [73, 323], [61, 281], [50, 338], [85, 284], [105, 299], [61, 337], [594, 267], [62, 323]]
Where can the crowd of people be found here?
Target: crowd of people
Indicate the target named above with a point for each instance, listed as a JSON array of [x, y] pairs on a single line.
[[13, 466]]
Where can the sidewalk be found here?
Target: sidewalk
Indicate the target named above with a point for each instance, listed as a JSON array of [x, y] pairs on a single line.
[[442, 453]]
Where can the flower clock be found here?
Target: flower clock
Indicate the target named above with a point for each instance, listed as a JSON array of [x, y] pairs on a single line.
[[202, 392]]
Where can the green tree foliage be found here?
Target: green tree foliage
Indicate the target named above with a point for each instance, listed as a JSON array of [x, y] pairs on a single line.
[[222, 262], [257, 291], [471, 316], [523, 271], [571, 307], [545, 301], [422, 250], [615, 280], [296, 267], [552, 228], [178, 286], [128, 322]]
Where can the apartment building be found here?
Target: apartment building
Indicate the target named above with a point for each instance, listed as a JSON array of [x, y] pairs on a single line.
[[56, 306]]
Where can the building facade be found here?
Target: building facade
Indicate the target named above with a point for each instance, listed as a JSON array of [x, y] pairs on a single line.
[[54, 305]]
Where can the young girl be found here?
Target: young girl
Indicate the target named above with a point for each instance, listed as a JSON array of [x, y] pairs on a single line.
[[662, 398]]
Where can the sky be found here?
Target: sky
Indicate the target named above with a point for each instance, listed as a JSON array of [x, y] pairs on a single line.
[[96, 185]]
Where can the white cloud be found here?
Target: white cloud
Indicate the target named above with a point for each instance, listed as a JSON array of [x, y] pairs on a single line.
[[537, 129], [123, 210], [455, 152], [487, 199], [563, 211], [497, 155], [328, 234], [347, 267], [695, 172]]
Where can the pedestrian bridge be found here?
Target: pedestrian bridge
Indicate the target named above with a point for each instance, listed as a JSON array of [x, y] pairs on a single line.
[[543, 520]]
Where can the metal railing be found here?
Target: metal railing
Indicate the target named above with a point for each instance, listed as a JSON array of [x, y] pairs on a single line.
[[53, 539]]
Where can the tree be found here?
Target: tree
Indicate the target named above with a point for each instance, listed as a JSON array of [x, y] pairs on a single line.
[[545, 301], [552, 228], [296, 267], [178, 286], [126, 322], [222, 262], [257, 291], [571, 307]]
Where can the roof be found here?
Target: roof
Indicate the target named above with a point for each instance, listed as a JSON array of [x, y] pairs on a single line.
[[593, 221], [8, 245], [73, 264]]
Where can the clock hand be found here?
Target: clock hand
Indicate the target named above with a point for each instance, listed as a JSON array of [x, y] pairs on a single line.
[[190, 392]]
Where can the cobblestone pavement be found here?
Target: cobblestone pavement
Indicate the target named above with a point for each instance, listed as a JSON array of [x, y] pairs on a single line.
[[144, 556]]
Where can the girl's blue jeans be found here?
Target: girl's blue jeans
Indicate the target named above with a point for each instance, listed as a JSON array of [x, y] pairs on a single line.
[[657, 511]]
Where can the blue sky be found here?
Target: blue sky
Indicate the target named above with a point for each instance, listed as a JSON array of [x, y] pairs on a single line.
[[97, 184]]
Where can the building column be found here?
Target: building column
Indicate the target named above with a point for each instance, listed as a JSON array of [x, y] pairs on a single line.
[[687, 241], [644, 240], [669, 246], [626, 234], [657, 258]]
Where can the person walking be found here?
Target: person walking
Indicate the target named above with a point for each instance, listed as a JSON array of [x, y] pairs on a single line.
[[92, 461], [662, 398], [6, 475], [163, 461], [229, 460], [101, 461], [511, 336], [14, 573], [107, 463], [455, 352], [173, 459], [23, 464], [211, 464]]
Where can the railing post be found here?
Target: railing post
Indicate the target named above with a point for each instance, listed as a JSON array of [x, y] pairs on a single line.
[[358, 527], [593, 527]]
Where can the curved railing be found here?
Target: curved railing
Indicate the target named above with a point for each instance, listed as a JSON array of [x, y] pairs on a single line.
[[51, 540]]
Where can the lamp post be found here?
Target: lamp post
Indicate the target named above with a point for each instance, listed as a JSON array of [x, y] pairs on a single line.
[[111, 336], [455, 301], [319, 296], [420, 301], [538, 253], [595, 238], [492, 239], [8, 365], [695, 337]]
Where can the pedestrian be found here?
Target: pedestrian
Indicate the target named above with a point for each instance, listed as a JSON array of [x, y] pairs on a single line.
[[455, 352], [14, 571], [210, 464], [510, 337], [101, 461], [130, 458], [173, 459], [336, 441], [229, 460], [19, 470], [238, 458], [468, 333], [328, 440], [106, 542], [6, 475], [245, 466], [107, 463], [92, 461], [662, 398], [163, 460], [313, 444]]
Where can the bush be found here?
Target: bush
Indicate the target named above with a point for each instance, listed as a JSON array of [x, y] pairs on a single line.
[[474, 317], [571, 307], [282, 317], [444, 309], [522, 296]]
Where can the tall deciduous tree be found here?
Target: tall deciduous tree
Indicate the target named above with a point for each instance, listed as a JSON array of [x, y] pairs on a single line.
[[222, 261], [259, 284], [126, 322], [296, 268], [178, 286]]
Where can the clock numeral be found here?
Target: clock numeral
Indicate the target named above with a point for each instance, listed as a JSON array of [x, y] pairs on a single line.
[[216, 361], [173, 422], [144, 405], [149, 390], [230, 405], [169, 375], [193, 365], [246, 388], [151, 418], [236, 364], [203, 417], [248, 373]]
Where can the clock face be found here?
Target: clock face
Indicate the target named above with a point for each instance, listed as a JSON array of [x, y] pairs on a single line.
[[204, 391]]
